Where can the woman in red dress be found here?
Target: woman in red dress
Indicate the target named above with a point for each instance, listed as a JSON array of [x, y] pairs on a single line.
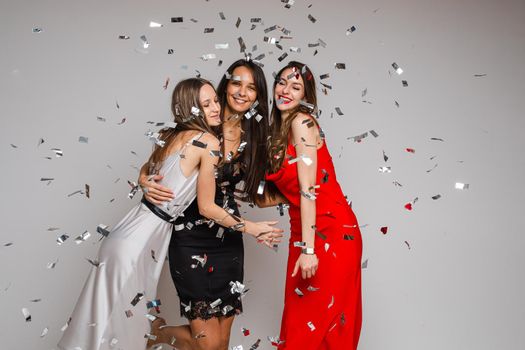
[[322, 307]]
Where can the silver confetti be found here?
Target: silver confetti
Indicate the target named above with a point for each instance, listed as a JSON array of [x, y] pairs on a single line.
[[145, 43], [311, 326], [177, 19], [208, 30], [52, 265], [27, 315], [237, 288], [137, 298], [44, 332], [216, 303], [82, 237], [331, 302], [222, 46], [364, 265], [241, 44], [308, 195], [58, 152], [351, 30], [339, 111], [94, 262], [461, 186], [103, 230], [208, 56], [61, 239], [154, 25], [397, 69], [340, 66], [260, 189], [385, 169], [201, 260], [155, 138]]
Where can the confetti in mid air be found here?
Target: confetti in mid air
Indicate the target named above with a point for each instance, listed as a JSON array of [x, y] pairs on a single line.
[[461, 186], [27, 315], [154, 25], [351, 30], [398, 69]]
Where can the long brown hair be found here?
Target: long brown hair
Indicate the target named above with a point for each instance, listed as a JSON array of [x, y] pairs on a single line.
[[185, 97], [254, 132], [280, 129]]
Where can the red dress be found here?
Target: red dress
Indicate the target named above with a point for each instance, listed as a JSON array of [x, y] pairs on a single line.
[[328, 314]]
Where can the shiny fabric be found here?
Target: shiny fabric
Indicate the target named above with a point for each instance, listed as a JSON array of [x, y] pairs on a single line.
[[328, 315], [200, 286], [130, 262]]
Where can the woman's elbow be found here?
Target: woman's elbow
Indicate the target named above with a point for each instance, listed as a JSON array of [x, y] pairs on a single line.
[[204, 210]]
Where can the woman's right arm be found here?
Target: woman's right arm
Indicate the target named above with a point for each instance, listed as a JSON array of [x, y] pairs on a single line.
[[154, 193], [263, 230]]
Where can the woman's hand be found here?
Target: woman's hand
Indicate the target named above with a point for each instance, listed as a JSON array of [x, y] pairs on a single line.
[[308, 263], [265, 232], [155, 193]]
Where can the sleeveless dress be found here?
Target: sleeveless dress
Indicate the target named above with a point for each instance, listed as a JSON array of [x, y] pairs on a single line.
[[323, 312], [206, 259], [120, 291]]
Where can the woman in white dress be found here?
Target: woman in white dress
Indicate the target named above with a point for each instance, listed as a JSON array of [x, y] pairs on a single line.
[[112, 311]]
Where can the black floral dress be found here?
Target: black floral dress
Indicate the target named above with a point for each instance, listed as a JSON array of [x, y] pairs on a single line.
[[207, 260]]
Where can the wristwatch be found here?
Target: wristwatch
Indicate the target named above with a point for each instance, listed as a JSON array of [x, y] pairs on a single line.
[[308, 251]]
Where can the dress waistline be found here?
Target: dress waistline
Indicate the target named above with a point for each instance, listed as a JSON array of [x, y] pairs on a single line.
[[157, 211]]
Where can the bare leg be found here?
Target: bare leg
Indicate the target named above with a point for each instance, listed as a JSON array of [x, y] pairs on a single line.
[[176, 336], [226, 326], [206, 334]]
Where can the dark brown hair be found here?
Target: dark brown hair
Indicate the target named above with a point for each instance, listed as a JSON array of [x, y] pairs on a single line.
[[280, 129], [185, 96], [254, 132]]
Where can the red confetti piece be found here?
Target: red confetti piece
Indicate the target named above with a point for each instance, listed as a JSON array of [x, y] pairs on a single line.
[[245, 332], [411, 150], [384, 230], [210, 269], [408, 206]]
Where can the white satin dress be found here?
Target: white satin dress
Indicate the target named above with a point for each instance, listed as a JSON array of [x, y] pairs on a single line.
[[130, 260]]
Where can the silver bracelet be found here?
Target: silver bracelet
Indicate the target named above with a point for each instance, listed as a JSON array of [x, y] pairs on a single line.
[[308, 251]]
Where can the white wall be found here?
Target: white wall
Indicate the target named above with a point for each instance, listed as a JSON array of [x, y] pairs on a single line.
[[459, 286]]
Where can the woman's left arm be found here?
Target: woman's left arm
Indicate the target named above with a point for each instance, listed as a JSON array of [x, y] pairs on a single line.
[[304, 137]]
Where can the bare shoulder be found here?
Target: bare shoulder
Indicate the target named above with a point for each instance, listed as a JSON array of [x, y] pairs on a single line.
[[210, 140], [305, 124]]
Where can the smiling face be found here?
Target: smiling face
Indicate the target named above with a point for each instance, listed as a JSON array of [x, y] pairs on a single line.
[[210, 105], [241, 91], [288, 91]]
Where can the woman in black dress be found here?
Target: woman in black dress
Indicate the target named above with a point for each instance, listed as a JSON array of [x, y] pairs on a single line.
[[206, 260]]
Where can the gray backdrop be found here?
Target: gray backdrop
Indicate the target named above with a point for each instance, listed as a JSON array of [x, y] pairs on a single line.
[[446, 275]]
